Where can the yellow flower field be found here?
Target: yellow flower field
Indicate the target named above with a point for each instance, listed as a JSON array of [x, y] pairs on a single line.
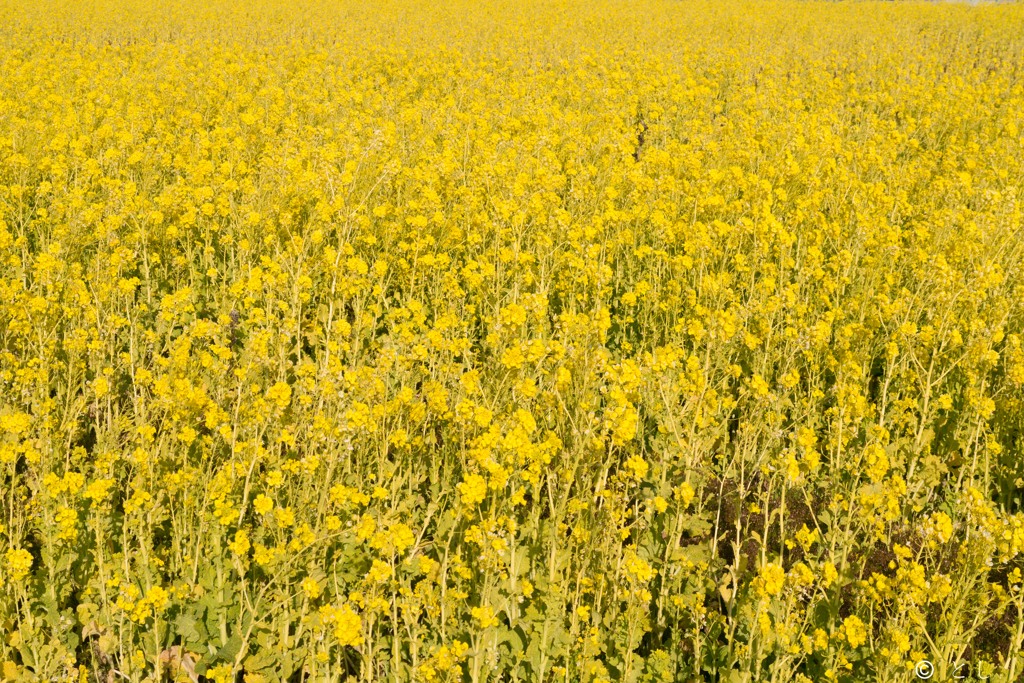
[[511, 341]]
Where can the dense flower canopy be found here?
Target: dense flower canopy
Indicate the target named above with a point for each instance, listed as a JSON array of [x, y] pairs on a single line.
[[438, 341]]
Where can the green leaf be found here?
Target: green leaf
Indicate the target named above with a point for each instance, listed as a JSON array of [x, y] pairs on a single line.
[[230, 649], [695, 526], [822, 615], [210, 622], [87, 611], [533, 655], [521, 563], [736, 676], [292, 660], [49, 610], [264, 659], [208, 577], [266, 639], [185, 625], [511, 637], [696, 554], [27, 658]]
